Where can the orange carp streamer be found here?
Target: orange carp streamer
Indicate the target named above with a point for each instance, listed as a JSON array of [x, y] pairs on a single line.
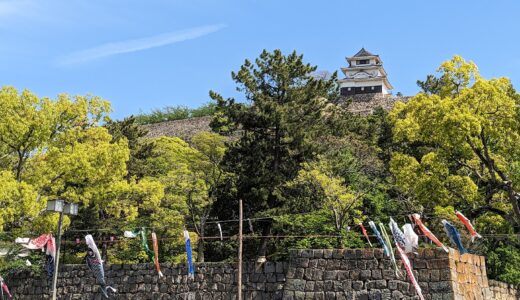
[[468, 225], [156, 255], [417, 220], [365, 233]]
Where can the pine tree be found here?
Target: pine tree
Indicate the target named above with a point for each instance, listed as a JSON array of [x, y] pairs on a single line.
[[286, 108]]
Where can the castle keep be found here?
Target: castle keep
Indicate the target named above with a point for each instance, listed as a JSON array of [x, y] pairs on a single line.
[[364, 75]]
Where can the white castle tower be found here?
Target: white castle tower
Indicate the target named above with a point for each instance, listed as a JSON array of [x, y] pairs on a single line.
[[364, 75]]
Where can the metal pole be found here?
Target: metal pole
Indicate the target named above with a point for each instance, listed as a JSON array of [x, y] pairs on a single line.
[[57, 261], [239, 279]]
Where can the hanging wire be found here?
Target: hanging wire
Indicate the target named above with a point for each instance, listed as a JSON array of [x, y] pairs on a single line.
[[273, 217], [260, 219], [281, 236]]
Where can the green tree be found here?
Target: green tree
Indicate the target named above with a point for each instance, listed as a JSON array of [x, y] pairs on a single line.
[[205, 165], [190, 175], [465, 144], [170, 113], [455, 148], [54, 149], [140, 148], [286, 109], [330, 193]]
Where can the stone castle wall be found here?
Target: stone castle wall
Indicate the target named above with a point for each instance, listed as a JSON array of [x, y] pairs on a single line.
[[503, 291], [363, 104], [365, 274], [309, 274]]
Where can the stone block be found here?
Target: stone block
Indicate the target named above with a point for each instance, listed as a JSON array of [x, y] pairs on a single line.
[[318, 253], [361, 264], [349, 254], [366, 253], [269, 267], [343, 275], [365, 274], [330, 275], [327, 253], [388, 274], [313, 263], [337, 253], [357, 285], [279, 267], [309, 286], [376, 274], [355, 274]]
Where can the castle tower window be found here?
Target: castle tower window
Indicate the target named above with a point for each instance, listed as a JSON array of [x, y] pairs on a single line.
[[362, 62]]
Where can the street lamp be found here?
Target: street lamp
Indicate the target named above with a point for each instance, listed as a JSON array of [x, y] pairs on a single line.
[[63, 208]]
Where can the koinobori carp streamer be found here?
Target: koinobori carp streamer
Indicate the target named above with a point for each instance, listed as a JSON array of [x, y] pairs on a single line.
[[417, 219], [468, 225]]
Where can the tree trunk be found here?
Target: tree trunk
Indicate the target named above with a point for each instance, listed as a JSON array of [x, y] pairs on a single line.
[[200, 243], [339, 242], [514, 198], [266, 230], [104, 252]]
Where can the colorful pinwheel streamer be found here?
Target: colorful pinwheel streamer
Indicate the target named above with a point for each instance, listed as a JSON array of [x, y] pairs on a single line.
[[4, 288]]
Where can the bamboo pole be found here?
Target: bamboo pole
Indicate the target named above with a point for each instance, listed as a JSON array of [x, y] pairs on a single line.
[[239, 279]]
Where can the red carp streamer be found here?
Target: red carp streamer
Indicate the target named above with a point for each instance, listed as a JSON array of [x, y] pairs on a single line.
[[44, 240], [156, 255], [417, 219], [365, 233], [408, 267], [5, 288], [468, 225]]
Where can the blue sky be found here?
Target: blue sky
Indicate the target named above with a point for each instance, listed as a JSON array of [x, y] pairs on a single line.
[[148, 54]]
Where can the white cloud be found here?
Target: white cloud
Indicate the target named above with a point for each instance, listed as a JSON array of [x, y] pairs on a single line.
[[135, 45]]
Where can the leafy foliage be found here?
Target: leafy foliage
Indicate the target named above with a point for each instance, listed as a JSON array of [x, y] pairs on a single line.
[[170, 113], [455, 148], [287, 109], [54, 149], [503, 262]]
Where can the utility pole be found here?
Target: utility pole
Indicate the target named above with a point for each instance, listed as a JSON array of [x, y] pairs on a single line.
[[57, 261], [63, 208], [239, 279]]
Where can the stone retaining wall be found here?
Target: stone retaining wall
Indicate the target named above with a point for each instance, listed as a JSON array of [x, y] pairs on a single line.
[[362, 274], [363, 104], [140, 281], [503, 291], [309, 274]]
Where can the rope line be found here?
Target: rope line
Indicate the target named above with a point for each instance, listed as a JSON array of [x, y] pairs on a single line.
[[232, 237]]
